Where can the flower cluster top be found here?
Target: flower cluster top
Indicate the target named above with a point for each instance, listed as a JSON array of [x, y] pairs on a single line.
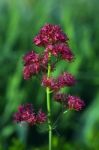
[[55, 44], [50, 35]]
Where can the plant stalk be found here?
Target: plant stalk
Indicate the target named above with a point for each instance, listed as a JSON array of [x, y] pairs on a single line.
[[49, 110]]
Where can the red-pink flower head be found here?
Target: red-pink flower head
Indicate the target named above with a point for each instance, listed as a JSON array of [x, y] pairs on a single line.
[[25, 114], [71, 102], [44, 59], [30, 70], [66, 79], [50, 34], [46, 81], [64, 51], [75, 103], [31, 64], [31, 57], [50, 82], [60, 49], [41, 117], [61, 98]]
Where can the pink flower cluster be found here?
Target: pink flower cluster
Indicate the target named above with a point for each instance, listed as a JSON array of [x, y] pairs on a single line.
[[71, 102], [50, 34], [75, 102], [55, 42], [31, 64], [26, 114], [65, 79], [34, 64], [52, 38], [61, 50]]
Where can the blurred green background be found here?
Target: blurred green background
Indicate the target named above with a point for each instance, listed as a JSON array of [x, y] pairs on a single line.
[[20, 21]]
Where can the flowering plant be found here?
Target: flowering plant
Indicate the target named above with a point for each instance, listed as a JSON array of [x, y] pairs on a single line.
[[55, 44]]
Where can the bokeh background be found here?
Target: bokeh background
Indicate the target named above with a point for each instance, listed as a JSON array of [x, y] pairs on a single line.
[[20, 21]]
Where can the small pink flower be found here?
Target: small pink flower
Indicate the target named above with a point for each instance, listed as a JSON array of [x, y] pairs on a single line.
[[46, 81], [30, 70], [41, 117], [61, 98], [44, 59], [31, 64], [66, 79], [50, 82], [25, 114], [60, 49], [30, 57], [75, 102], [38, 41]]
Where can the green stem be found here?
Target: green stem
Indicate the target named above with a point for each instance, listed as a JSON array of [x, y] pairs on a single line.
[[49, 110]]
